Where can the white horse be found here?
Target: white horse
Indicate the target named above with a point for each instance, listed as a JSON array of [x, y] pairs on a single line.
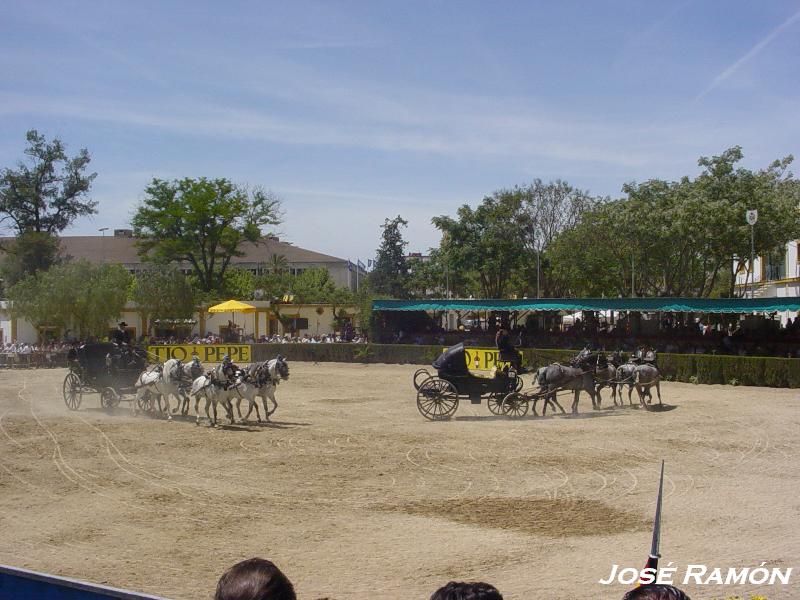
[[186, 375], [262, 380], [162, 381], [214, 391]]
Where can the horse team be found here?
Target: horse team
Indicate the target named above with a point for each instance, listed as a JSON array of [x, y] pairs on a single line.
[[591, 372], [221, 385]]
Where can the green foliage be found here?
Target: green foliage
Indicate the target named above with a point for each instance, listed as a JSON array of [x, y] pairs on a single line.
[[163, 292], [239, 284], [678, 238], [75, 295], [390, 274], [47, 193], [27, 254], [487, 242], [202, 222]]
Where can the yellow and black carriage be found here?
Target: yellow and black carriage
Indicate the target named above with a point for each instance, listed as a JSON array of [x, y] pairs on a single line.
[[438, 395]]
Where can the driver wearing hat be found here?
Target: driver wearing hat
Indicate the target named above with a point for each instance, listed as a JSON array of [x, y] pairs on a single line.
[[121, 335]]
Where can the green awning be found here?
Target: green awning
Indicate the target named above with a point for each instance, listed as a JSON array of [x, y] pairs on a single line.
[[697, 305]]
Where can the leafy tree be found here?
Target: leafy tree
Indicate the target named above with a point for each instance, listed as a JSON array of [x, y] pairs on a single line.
[[202, 222], [49, 191], [678, 238], [162, 292], [74, 295], [28, 253], [312, 285], [391, 272], [240, 284], [487, 242]]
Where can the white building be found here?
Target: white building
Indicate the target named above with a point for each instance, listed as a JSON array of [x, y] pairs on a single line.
[[776, 275]]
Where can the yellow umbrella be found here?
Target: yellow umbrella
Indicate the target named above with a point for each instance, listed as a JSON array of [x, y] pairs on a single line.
[[232, 306]]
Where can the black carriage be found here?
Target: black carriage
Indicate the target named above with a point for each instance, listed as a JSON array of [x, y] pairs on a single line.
[[438, 395], [105, 369]]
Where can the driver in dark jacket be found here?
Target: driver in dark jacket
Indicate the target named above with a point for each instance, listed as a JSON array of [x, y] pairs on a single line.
[[506, 349]]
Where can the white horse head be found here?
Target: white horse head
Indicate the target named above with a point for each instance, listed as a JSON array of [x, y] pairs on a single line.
[[278, 369]]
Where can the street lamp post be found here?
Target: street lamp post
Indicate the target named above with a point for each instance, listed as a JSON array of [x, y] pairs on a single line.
[[103, 230], [752, 219]]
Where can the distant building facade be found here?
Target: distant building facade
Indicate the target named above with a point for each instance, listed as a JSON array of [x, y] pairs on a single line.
[[121, 248], [775, 275]]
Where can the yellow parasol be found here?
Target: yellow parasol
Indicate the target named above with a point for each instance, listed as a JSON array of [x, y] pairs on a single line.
[[232, 306]]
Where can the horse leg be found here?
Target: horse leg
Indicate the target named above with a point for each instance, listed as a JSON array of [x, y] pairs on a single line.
[[553, 400], [598, 396], [658, 391], [575, 402], [271, 394], [239, 408]]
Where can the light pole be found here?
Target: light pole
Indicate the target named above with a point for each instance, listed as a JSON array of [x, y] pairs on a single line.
[[752, 219], [103, 230]]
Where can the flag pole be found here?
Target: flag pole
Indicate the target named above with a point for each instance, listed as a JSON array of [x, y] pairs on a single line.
[[655, 544]]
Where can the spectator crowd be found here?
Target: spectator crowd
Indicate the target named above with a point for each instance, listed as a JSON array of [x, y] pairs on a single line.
[[733, 339]]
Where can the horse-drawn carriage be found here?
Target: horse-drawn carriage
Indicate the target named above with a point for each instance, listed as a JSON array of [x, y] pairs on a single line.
[[105, 369], [438, 395]]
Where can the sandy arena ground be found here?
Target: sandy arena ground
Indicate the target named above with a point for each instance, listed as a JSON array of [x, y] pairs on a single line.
[[356, 496]]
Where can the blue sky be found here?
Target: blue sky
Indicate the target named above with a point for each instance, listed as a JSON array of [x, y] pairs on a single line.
[[353, 112]]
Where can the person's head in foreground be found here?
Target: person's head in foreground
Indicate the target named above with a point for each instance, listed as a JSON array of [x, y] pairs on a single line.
[[254, 579], [474, 590], [656, 592]]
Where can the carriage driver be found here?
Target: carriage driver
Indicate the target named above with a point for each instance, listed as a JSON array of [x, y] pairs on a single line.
[[507, 351], [121, 335]]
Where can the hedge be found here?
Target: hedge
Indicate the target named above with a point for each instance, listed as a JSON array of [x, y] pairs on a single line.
[[707, 368]]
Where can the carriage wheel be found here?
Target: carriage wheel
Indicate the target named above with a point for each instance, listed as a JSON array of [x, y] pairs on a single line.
[[495, 403], [109, 398], [515, 405], [437, 399], [419, 377], [145, 402], [73, 392]]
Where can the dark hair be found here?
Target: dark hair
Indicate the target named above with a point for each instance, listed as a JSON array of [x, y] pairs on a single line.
[[254, 579], [474, 590], [656, 592]]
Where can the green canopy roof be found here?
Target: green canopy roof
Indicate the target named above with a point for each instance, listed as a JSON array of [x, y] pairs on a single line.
[[698, 305]]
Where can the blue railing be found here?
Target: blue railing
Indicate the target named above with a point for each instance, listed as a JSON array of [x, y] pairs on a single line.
[[21, 584]]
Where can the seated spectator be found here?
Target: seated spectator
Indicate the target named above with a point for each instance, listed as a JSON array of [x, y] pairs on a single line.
[[656, 592], [459, 590], [254, 579]]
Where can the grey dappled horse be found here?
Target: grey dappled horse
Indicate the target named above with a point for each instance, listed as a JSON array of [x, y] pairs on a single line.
[[555, 377], [645, 377], [626, 375]]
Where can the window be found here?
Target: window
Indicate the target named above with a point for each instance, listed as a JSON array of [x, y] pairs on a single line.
[[775, 265], [299, 323]]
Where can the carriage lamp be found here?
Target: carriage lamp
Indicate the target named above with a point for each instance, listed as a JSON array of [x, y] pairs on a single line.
[[477, 361]]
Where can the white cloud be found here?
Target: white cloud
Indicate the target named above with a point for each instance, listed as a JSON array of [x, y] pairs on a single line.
[[749, 55]]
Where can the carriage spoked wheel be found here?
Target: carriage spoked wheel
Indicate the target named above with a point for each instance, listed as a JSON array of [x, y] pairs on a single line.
[[515, 405], [109, 398], [495, 403], [419, 377], [145, 402], [437, 399], [73, 391]]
